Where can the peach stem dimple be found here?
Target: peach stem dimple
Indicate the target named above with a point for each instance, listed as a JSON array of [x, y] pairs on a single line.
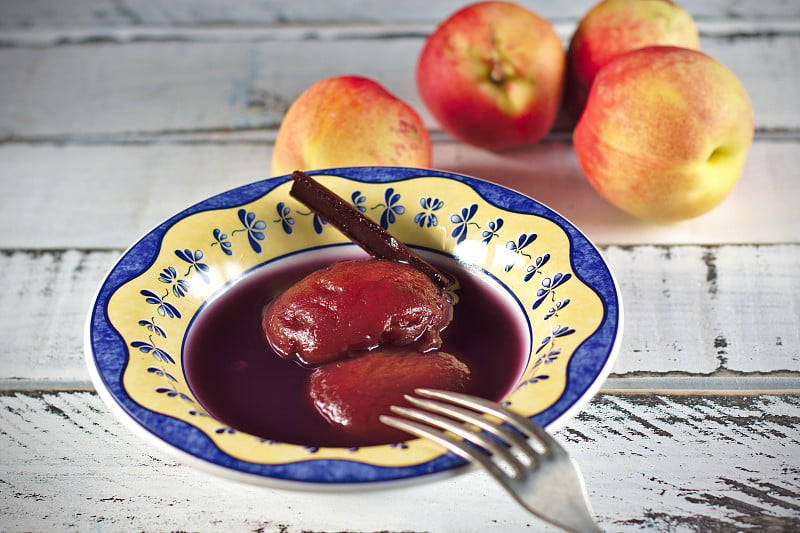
[[496, 74], [716, 153]]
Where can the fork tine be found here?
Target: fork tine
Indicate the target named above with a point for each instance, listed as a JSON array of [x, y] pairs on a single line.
[[471, 417], [509, 437], [566, 504], [458, 447], [498, 451], [519, 422]]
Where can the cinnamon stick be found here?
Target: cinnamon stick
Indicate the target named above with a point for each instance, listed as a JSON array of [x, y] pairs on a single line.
[[360, 229]]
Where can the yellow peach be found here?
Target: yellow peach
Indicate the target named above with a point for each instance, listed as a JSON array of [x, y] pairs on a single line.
[[349, 121], [665, 133]]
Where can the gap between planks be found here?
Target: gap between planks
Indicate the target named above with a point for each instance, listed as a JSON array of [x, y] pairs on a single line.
[[736, 347], [253, 83], [703, 386], [48, 37], [682, 386], [660, 463], [263, 135]]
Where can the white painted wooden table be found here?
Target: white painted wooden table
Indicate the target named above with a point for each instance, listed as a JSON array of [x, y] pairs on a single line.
[[115, 115]]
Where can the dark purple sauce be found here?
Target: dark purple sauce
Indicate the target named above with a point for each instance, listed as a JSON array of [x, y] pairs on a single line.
[[240, 381]]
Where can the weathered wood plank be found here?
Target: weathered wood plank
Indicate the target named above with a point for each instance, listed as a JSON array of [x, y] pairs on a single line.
[[663, 463], [42, 311], [177, 86], [758, 210], [701, 451], [719, 382], [105, 13], [684, 308], [115, 115], [50, 36], [682, 305], [124, 191]]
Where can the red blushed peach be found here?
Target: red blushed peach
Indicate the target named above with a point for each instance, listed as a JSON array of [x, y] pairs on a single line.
[[613, 27], [492, 75]]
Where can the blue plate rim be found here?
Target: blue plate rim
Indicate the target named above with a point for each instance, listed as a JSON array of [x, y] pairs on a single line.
[[584, 374]]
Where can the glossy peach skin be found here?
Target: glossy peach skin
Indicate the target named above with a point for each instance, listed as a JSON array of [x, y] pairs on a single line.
[[353, 393], [349, 121], [354, 306], [665, 133], [613, 27], [492, 75]]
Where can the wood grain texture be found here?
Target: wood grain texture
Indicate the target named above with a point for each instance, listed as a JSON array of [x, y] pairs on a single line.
[[125, 190], [108, 13], [178, 85], [682, 304], [660, 463], [115, 115], [682, 317], [758, 210], [42, 312]]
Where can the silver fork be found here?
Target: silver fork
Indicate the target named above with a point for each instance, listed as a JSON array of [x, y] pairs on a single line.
[[525, 459]]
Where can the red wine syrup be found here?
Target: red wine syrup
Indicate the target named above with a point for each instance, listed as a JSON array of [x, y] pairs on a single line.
[[240, 381]]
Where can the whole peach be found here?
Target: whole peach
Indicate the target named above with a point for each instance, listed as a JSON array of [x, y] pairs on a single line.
[[492, 75], [349, 121], [665, 133], [613, 27]]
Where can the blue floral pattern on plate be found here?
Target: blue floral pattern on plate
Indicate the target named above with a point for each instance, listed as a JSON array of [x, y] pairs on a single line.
[[172, 294]]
